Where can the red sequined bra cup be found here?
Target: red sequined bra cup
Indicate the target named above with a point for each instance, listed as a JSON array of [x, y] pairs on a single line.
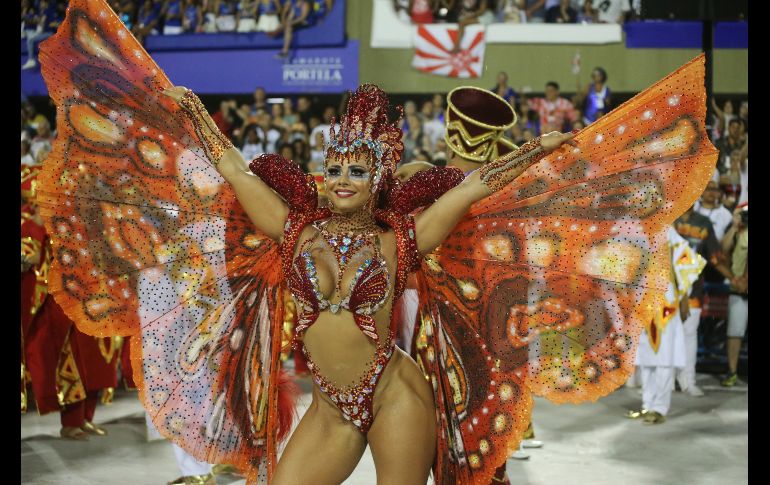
[[368, 291]]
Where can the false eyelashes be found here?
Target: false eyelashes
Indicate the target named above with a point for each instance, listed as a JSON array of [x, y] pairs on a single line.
[[354, 173]]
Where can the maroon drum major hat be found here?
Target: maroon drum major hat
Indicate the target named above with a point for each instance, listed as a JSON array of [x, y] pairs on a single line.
[[475, 122]]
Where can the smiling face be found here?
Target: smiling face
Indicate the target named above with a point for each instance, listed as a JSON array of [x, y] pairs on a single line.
[[348, 179]]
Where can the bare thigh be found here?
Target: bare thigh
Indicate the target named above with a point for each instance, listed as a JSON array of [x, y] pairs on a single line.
[[403, 435], [323, 450]]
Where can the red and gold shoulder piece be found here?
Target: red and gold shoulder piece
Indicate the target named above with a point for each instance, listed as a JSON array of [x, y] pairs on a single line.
[[296, 187], [423, 188]]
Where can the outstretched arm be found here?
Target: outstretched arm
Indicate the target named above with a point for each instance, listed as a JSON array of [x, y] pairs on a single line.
[[435, 223], [266, 209]]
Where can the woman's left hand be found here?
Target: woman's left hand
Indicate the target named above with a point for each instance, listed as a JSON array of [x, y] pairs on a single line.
[[553, 140], [175, 92]]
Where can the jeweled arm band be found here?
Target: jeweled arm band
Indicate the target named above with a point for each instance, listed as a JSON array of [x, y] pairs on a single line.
[[214, 142], [496, 175]]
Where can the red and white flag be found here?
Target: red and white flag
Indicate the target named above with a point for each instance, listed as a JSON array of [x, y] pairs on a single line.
[[433, 50]]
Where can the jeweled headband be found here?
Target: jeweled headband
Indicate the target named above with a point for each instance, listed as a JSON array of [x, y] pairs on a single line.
[[365, 124]]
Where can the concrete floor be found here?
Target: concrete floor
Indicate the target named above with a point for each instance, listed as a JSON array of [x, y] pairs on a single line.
[[704, 441]]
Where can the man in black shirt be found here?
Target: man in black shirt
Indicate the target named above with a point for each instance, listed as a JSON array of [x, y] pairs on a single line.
[[699, 232]]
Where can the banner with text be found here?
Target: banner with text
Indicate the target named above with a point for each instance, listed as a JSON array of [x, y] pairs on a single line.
[[319, 70]]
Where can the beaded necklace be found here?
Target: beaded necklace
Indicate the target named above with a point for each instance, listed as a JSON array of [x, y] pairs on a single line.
[[345, 242]]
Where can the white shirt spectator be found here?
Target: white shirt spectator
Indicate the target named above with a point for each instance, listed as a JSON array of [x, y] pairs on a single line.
[[316, 161], [720, 218], [251, 150], [323, 128], [38, 144], [27, 159], [611, 11], [434, 130], [271, 139]]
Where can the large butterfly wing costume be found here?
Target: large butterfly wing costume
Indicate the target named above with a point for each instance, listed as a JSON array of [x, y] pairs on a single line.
[[150, 242], [544, 287], [539, 290]]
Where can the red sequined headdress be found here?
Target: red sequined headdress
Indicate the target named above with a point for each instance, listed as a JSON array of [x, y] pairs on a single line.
[[365, 124]]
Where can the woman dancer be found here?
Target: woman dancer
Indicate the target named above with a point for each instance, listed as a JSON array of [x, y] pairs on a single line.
[[344, 269], [541, 287]]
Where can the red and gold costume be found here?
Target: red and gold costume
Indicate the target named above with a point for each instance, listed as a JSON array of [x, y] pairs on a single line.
[[476, 122], [541, 289], [67, 367]]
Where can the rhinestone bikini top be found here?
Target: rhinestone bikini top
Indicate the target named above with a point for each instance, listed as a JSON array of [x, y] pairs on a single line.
[[367, 293]]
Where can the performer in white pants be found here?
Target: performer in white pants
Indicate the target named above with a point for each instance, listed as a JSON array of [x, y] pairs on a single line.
[[194, 472], [662, 343], [656, 370], [686, 375]]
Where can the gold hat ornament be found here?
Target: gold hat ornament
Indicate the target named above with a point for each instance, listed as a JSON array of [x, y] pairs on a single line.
[[475, 122]]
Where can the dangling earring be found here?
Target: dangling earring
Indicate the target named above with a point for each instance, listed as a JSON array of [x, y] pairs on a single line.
[[376, 178]]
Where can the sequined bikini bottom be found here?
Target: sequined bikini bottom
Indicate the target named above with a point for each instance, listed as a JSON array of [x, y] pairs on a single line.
[[355, 402]]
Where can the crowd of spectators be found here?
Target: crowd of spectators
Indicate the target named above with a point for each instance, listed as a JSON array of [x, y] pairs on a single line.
[[299, 126], [466, 12], [40, 18]]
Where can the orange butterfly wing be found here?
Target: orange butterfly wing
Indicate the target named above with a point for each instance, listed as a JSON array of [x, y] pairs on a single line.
[[150, 241], [544, 287]]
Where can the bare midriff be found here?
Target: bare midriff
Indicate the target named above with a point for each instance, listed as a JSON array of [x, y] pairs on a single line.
[[339, 349]]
